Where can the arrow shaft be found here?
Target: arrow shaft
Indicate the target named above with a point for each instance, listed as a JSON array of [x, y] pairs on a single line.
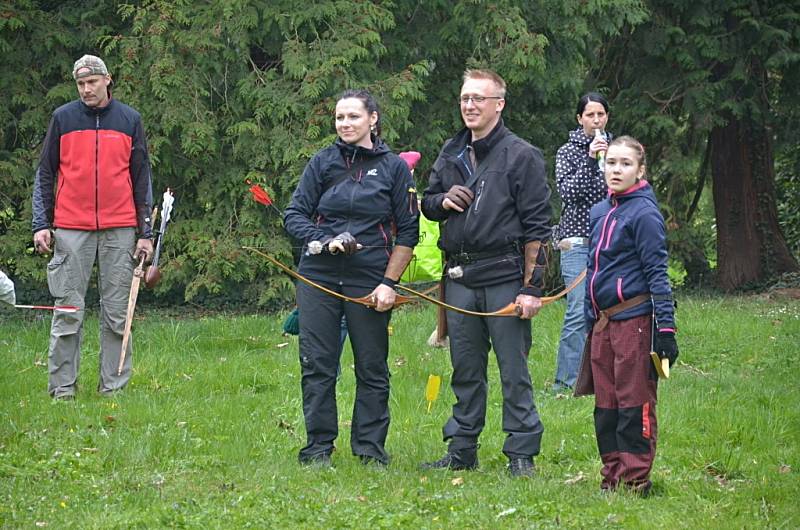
[[64, 308]]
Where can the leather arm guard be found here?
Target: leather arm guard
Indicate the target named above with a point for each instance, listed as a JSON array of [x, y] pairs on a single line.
[[535, 263]]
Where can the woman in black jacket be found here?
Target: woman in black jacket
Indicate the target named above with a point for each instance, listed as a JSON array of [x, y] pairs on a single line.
[[355, 209]]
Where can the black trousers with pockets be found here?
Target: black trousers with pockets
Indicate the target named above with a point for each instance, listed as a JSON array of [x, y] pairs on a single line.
[[320, 319], [471, 338]]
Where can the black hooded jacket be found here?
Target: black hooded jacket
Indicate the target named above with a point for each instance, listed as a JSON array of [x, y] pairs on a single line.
[[377, 195]]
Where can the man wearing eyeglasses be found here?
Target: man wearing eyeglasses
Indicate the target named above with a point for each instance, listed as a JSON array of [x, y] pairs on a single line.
[[489, 192]]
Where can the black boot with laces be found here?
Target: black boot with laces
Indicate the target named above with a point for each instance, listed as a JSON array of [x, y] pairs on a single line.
[[465, 460], [521, 467]]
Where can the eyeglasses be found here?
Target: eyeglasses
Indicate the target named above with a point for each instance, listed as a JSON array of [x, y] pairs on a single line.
[[463, 100]]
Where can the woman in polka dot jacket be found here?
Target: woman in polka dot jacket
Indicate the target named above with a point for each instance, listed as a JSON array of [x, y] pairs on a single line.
[[581, 184]]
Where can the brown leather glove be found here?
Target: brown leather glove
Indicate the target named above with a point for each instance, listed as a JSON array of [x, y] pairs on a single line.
[[535, 262], [461, 196], [344, 243]]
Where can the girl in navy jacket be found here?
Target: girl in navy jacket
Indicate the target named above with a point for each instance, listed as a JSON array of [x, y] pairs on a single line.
[[630, 310]]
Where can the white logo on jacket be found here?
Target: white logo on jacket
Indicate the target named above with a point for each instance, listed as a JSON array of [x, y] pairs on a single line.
[[372, 172]]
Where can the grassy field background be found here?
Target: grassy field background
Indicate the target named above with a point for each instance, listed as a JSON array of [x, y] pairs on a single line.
[[207, 433]]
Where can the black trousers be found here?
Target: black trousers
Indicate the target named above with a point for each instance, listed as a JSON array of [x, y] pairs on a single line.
[[470, 340], [320, 320]]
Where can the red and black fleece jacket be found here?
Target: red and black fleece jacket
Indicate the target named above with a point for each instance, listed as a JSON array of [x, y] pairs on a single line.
[[94, 171]]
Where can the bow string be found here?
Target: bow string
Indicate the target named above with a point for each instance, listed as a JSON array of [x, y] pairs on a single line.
[[363, 300]]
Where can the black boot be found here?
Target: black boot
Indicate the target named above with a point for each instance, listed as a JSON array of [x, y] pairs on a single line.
[[464, 459], [521, 467], [321, 461]]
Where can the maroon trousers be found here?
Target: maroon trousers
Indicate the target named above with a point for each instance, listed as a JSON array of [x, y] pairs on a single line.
[[625, 402]]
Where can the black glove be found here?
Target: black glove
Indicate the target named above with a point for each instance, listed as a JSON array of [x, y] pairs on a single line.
[[666, 346], [461, 196], [344, 242], [144, 222]]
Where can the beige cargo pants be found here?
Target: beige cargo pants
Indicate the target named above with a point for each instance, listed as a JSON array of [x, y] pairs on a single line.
[[68, 275]]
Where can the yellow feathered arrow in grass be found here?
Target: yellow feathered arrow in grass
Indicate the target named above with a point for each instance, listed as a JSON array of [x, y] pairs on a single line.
[[432, 389]]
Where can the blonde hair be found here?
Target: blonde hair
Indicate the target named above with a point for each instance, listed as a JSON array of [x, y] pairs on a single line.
[[473, 73], [633, 143]]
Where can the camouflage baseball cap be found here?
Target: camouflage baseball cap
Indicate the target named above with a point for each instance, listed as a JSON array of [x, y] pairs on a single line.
[[89, 65]]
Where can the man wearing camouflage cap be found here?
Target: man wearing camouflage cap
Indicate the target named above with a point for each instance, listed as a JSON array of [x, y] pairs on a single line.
[[92, 198]]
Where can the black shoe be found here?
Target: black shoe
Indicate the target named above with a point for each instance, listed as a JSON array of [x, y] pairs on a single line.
[[521, 467], [453, 461], [322, 460], [641, 489], [561, 388], [372, 461]]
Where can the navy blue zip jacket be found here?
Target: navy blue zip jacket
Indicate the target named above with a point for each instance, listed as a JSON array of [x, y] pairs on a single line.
[[378, 194], [628, 256]]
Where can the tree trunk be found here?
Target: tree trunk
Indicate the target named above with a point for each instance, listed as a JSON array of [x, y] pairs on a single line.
[[750, 244]]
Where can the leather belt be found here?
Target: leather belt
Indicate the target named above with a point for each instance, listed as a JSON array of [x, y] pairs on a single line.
[[606, 314]]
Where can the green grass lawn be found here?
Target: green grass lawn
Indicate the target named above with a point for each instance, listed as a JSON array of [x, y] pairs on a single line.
[[207, 433]]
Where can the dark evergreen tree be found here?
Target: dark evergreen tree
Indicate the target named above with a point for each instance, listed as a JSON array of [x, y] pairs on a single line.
[[698, 82]]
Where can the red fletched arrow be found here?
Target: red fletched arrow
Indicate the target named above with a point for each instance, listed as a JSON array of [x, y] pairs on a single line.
[[260, 195]]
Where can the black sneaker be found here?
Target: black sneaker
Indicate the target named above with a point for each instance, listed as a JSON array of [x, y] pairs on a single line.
[[641, 488], [322, 460], [453, 461], [372, 461], [521, 467]]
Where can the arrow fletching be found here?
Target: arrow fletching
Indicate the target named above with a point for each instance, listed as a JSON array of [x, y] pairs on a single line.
[[260, 194], [432, 389], [410, 158]]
